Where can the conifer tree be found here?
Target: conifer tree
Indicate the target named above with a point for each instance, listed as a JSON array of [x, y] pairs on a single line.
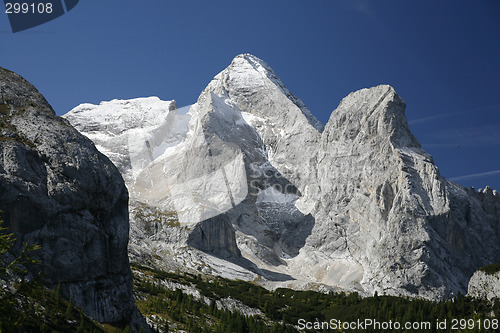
[[13, 276]]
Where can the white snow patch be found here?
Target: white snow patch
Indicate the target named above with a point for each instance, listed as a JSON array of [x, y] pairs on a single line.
[[252, 119]]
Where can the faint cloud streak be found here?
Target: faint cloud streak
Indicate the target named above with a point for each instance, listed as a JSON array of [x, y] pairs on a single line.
[[483, 136], [450, 114], [360, 6], [476, 175], [466, 137], [426, 119]]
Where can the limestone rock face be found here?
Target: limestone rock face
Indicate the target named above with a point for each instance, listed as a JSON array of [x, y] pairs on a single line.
[[383, 208], [484, 285], [57, 190], [249, 176]]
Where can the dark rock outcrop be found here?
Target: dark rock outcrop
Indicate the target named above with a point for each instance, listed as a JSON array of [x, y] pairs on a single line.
[[57, 190]]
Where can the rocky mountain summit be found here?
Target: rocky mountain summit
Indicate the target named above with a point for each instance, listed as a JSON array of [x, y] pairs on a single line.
[[248, 184], [58, 191]]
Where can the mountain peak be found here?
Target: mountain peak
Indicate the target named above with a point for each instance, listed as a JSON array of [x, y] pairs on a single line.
[[377, 110], [120, 115], [248, 56], [246, 76], [258, 64]]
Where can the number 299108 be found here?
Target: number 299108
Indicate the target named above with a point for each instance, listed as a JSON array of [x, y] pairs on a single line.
[[28, 8]]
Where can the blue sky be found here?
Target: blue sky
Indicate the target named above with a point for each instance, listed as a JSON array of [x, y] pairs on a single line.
[[442, 57]]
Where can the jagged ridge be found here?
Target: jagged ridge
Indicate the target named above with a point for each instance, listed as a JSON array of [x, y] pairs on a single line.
[[358, 205]]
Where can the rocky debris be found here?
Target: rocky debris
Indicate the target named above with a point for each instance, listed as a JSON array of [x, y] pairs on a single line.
[[58, 191], [357, 204], [485, 283], [232, 305]]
